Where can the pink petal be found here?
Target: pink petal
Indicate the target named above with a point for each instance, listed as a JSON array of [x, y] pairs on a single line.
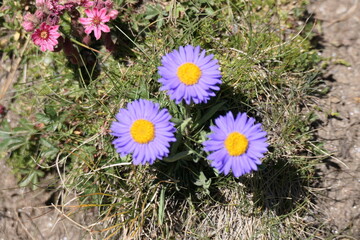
[[104, 27], [96, 12], [54, 34], [105, 19], [88, 4], [55, 28], [89, 12], [97, 33], [28, 26], [52, 41], [113, 14], [42, 48], [85, 21], [37, 41], [50, 47], [89, 29], [102, 13]]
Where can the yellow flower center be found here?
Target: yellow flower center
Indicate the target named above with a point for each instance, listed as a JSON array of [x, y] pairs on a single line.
[[96, 20], [236, 144], [142, 131], [44, 34], [189, 73]]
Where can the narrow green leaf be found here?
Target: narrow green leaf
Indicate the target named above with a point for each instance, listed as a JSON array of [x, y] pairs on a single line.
[[28, 179], [184, 124], [177, 156], [161, 213], [209, 114]]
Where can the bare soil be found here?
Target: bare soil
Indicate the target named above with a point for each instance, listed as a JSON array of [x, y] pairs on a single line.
[[340, 115], [24, 215]]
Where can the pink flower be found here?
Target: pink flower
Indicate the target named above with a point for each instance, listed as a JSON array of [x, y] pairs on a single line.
[[55, 7], [39, 15], [86, 3], [46, 37], [95, 21], [40, 3], [28, 26], [109, 4], [113, 14], [53, 19], [29, 22]]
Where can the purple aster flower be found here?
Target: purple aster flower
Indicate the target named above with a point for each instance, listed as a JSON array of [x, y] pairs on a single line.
[[143, 130], [190, 75], [236, 144]]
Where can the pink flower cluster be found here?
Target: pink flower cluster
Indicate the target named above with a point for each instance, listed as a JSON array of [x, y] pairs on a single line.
[[45, 22]]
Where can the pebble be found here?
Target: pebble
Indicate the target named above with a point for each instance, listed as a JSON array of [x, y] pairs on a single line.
[[334, 100]]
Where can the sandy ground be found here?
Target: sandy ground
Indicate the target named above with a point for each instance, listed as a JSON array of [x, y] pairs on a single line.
[[24, 214], [340, 202]]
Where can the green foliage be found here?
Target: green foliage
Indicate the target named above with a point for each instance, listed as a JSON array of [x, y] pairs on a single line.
[[13, 139], [10, 20], [267, 73], [22, 141]]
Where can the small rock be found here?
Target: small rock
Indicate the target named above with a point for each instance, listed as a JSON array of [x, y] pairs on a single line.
[[334, 100]]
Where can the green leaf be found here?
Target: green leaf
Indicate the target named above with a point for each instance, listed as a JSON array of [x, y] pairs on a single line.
[[202, 181], [24, 126], [5, 128], [152, 12], [32, 178], [209, 114], [177, 156], [50, 111], [184, 124], [161, 212], [40, 117], [29, 179], [177, 121], [4, 144], [48, 150], [12, 143]]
